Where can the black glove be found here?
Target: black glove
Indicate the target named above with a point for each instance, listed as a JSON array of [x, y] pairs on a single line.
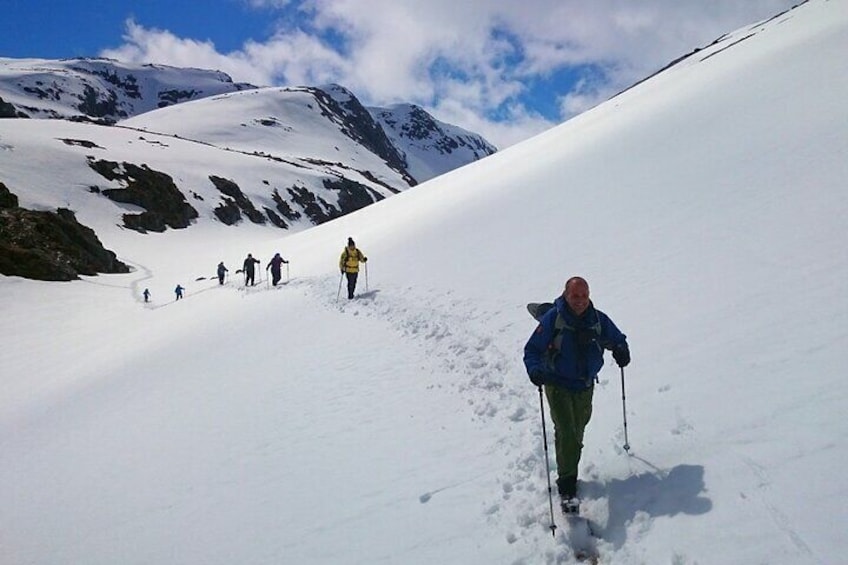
[[538, 377], [621, 354]]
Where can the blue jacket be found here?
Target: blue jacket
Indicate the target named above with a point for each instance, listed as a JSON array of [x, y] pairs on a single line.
[[581, 353]]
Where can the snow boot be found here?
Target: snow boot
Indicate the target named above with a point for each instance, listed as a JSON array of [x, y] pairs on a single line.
[[567, 487]]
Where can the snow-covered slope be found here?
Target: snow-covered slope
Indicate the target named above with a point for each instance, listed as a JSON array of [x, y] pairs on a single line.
[[48, 165], [100, 88], [287, 157], [706, 208], [298, 156], [300, 124]]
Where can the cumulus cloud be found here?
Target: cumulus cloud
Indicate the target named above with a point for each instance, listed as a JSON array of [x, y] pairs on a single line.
[[476, 63]]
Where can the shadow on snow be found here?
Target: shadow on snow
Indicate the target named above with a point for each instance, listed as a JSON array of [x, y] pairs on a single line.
[[660, 493]]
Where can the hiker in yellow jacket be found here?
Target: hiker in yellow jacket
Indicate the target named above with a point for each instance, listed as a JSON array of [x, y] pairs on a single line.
[[349, 265]]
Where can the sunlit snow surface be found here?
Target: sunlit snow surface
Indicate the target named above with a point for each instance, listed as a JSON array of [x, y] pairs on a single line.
[[707, 208]]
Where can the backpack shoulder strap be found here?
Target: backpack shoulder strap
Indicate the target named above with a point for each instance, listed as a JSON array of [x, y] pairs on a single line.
[[559, 327]]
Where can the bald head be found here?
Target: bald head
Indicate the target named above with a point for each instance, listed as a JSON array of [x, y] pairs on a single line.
[[576, 294]]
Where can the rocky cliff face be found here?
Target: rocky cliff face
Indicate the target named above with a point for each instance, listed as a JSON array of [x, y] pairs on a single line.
[[49, 246], [429, 147], [164, 204]]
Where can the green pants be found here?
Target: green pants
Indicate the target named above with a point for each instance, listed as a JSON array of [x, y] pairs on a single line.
[[570, 412]]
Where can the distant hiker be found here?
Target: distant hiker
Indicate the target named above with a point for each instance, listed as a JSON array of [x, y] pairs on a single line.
[[222, 272], [349, 265], [565, 354], [274, 265], [146, 295], [248, 269], [179, 291]]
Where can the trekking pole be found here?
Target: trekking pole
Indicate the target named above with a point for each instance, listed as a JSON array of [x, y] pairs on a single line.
[[339, 293], [547, 462], [624, 412], [366, 276], [287, 273]]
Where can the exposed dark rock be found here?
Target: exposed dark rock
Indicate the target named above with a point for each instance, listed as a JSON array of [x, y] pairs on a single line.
[[92, 105], [370, 176], [242, 202], [128, 84], [275, 219], [283, 207], [80, 143], [170, 97], [359, 125], [50, 246], [228, 211], [152, 190], [87, 120], [7, 199], [43, 93], [8, 110], [352, 195], [316, 208]]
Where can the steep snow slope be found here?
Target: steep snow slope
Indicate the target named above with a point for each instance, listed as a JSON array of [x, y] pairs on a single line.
[[706, 207], [292, 123]]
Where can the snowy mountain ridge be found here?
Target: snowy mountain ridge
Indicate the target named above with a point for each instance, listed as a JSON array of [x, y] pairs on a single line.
[[108, 91], [100, 89], [288, 157]]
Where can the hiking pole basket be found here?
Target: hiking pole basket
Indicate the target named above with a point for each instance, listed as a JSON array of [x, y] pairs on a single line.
[[624, 412]]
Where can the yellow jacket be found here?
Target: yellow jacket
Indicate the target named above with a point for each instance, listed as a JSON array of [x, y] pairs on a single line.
[[349, 261]]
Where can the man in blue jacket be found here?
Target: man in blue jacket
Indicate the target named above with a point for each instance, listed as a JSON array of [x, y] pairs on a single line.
[[564, 355]]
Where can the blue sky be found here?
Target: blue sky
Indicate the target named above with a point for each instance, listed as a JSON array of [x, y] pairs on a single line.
[[502, 68]]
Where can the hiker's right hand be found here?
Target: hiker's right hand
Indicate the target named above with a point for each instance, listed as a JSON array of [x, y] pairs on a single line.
[[621, 354], [538, 377]]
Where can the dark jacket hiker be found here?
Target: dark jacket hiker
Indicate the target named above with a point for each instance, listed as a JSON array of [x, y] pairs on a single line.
[[565, 354], [275, 265], [249, 269]]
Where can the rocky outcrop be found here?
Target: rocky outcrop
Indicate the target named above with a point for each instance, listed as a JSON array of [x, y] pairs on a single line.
[[352, 195], [230, 210], [355, 121], [7, 199], [283, 207], [9, 111], [165, 205], [316, 208], [49, 246]]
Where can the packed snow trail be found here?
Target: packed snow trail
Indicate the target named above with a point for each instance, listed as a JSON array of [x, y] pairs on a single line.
[[462, 340]]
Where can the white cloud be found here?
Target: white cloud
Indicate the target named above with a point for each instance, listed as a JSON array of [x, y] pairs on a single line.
[[470, 62]]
